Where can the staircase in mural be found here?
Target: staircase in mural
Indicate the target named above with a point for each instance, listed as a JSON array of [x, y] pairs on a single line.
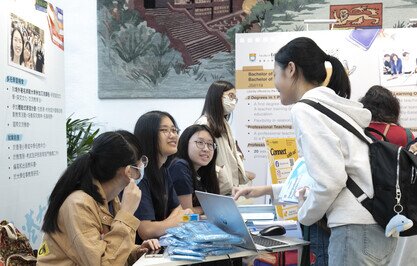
[[188, 35]]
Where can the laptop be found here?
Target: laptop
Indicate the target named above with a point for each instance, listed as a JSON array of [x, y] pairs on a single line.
[[223, 212]]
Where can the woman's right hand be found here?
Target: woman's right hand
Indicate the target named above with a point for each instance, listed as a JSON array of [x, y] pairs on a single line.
[[251, 192], [178, 213], [131, 197]]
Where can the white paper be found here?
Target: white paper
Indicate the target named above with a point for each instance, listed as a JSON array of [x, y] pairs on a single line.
[[298, 178], [258, 216]]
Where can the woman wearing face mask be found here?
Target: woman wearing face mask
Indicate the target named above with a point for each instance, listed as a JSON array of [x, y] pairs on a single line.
[[159, 209], [218, 106], [194, 166], [85, 223]]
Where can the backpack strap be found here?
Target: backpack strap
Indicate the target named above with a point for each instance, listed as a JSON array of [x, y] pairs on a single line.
[[350, 184], [370, 129], [409, 135], [338, 119], [387, 127]]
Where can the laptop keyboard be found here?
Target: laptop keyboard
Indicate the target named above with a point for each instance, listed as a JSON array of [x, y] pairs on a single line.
[[267, 242]]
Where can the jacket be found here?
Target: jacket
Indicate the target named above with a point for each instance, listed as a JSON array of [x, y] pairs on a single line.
[[229, 164], [90, 234], [331, 154]]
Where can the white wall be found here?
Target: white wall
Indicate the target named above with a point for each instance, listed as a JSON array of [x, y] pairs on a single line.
[[81, 92]]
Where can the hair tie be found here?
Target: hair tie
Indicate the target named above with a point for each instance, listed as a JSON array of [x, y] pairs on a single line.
[[328, 57]]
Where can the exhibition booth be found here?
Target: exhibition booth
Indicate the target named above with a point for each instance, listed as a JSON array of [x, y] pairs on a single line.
[[49, 76]]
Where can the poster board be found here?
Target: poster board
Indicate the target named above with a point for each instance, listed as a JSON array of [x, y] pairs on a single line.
[[32, 117], [260, 115], [282, 154]]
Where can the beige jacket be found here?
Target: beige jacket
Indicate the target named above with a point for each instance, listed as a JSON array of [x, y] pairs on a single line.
[[89, 235], [229, 164]]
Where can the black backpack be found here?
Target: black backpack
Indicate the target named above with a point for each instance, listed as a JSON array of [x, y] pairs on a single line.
[[388, 162]]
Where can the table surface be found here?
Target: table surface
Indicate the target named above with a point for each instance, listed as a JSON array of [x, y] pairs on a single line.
[[295, 244]]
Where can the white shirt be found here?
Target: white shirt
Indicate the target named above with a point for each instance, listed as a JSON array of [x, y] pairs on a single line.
[[331, 153]]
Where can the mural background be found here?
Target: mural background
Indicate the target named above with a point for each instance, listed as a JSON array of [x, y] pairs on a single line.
[[177, 48]]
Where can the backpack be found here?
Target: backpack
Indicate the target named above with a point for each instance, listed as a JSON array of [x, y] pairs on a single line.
[[390, 165], [14, 247]]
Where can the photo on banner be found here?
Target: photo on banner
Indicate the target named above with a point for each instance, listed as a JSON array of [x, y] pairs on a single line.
[[398, 66], [26, 44]]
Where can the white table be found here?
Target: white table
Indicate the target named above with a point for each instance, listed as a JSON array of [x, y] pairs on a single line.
[[297, 244]]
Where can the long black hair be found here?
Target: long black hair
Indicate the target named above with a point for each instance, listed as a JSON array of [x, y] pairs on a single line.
[[110, 152], [208, 172], [383, 105], [147, 131], [309, 60], [11, 45], [213, 107]]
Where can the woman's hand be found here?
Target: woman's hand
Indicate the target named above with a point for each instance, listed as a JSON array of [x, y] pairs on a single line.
[[302, 193], [178, 213], [131, 197], [150, 244], [251, 192], [413, 148]]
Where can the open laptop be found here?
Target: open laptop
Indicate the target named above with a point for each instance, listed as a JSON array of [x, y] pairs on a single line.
[[223, 212]]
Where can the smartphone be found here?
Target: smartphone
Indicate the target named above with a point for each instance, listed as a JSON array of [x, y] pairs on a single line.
[[159, 253]]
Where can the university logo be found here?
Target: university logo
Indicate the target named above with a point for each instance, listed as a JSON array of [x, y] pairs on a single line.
[[252, 57]]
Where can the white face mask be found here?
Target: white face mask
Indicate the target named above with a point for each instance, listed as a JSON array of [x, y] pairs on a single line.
[[228, 105], [142, 174]]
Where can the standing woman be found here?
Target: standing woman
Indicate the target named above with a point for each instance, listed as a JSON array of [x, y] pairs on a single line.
[[159, 209], [16, 47], [194, 167], [331, 154], [219, 104], [85, 223]]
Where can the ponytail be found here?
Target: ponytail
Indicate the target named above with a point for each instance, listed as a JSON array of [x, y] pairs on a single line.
[[309, 59], [78, 175], [110, 152], [339, 80]]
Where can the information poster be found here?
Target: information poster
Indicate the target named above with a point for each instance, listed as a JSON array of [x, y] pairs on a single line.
[[32, 118], [259, 114], [282, 153]]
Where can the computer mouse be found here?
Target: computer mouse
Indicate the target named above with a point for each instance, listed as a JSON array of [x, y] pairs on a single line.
[[274, 230]]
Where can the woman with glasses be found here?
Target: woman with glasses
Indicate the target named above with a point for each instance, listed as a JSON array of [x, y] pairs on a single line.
[[159, 209], [194, 167], [219, 104], [85, 223]]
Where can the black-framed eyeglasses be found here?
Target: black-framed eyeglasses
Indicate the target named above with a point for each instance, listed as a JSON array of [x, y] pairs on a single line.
[[201, 144], [172, 130]]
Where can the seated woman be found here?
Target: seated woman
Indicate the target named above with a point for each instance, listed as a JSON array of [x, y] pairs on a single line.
[[194, 167], [385, 109], [85, 223], [159, 209]]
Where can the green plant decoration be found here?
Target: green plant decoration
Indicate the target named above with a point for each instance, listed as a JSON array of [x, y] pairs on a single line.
[[80, 136]]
